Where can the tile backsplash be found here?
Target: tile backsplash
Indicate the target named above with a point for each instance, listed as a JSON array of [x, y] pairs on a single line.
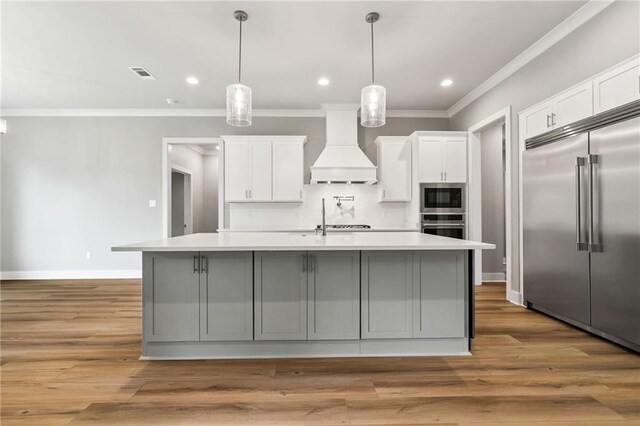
[[365, 209]]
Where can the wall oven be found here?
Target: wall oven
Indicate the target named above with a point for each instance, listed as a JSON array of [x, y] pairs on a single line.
[[450, 225], [442, 198]]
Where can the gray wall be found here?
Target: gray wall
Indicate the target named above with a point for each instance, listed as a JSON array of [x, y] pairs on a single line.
[[610, 37], [210, 193], [77, 184], [493, 225]]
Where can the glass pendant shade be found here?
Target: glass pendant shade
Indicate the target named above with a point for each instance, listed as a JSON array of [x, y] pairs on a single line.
[[373, 106], [238, 105]]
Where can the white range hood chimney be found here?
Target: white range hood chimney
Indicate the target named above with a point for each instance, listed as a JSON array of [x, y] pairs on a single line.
[[341, 160]]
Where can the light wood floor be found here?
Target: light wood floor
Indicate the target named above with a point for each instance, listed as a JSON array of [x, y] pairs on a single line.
[[70, 349]]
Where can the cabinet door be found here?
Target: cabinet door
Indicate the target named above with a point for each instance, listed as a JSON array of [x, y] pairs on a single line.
[[288, 166], [455, 160], [394, 167], [260, 164], [226, 296], [430, 158], [171, 296], [439, 279], [334, 295], [617, 87], [236, 171], [573, 105], [280, 295], [386, 301], [537, 120]]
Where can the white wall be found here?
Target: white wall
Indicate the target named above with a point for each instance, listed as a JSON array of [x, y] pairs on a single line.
[[610, 37], [493, 220]]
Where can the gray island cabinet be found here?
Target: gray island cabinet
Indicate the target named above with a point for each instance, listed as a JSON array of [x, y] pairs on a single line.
[[234, 296]]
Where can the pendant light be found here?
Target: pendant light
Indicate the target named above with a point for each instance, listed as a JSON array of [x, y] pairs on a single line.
[[239, 95], [373, 100]]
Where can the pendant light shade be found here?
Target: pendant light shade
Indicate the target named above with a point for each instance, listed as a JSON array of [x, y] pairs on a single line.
[[239, 95], [373, 106], [238, 105], [373, 100]]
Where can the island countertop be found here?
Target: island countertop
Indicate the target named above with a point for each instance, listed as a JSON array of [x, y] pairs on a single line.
[[283, 241]]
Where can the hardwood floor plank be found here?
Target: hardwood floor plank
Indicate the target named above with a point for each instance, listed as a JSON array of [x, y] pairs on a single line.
[[69, 353]]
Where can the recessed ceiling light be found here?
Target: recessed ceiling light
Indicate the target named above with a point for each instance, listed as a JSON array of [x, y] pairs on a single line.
[[324, 81], [192, 80], [446, 82], [171, 101]]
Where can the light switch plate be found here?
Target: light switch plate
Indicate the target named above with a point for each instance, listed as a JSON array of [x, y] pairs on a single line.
[[88, 255], [152, 203]]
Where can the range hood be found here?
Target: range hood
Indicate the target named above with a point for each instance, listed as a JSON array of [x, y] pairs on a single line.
[[341, 160]]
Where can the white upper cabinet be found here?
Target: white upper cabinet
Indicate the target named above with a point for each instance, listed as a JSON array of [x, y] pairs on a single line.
[[442, 159], [263, 169], [455, 160], [572, 105], [568, 107], [394, 168], [430, 160], [288, 171], [537, 120], [260, 171], [617, 87], [236, 167], [610, 89]]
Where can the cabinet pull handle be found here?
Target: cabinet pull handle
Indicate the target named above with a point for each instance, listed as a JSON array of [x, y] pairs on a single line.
[[553, 119], [548, 117], [383, 193], [204, 264], [304, 263], [301, 194], [445, 176], [249, 193], [196, 264]]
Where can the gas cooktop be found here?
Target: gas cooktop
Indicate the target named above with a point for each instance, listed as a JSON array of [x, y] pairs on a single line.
[[345, 226]]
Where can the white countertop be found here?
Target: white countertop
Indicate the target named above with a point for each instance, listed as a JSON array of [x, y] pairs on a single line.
[[224, 230], [282, 241]]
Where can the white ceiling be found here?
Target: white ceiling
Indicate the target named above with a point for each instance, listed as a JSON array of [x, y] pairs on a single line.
[[77, 54]]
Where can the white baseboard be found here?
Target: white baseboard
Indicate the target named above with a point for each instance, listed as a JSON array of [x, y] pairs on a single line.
[[488, 277], [514, 297], [70, 275]]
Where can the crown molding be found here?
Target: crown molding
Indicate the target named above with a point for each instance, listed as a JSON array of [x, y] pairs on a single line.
[[564, 28], [186, 112]]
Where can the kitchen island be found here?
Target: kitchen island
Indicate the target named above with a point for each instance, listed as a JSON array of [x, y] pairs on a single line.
[[243, 295]]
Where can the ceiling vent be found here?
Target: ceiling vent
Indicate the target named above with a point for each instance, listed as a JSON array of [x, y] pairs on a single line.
[[142, 73]]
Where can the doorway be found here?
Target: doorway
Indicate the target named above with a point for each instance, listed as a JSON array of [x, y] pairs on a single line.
[[181, 202], [502, 167], [190, 186]]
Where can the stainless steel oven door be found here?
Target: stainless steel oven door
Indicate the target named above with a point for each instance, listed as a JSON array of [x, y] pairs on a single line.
[[442, 197], [451, 231]]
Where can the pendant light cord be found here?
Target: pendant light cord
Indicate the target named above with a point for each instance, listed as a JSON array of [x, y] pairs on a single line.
[[240, 56], [373, 75]]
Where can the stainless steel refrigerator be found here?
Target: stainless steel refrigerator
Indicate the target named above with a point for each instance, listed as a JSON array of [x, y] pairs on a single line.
[[581, 236]]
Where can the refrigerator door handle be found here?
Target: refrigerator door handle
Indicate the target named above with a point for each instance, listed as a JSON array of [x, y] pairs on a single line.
[[580, 245], [594, 231]]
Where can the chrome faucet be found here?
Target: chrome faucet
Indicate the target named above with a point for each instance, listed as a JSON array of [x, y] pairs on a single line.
[[324, 222]]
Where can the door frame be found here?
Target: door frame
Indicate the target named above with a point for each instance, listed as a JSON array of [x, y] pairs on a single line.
[[188, 206], [475, 196], [166, 174]]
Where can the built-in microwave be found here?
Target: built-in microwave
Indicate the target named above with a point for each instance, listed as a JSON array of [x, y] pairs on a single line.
[[442, 198]]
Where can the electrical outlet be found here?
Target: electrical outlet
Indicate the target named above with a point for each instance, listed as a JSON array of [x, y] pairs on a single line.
[[152, 203], [88, 255]]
